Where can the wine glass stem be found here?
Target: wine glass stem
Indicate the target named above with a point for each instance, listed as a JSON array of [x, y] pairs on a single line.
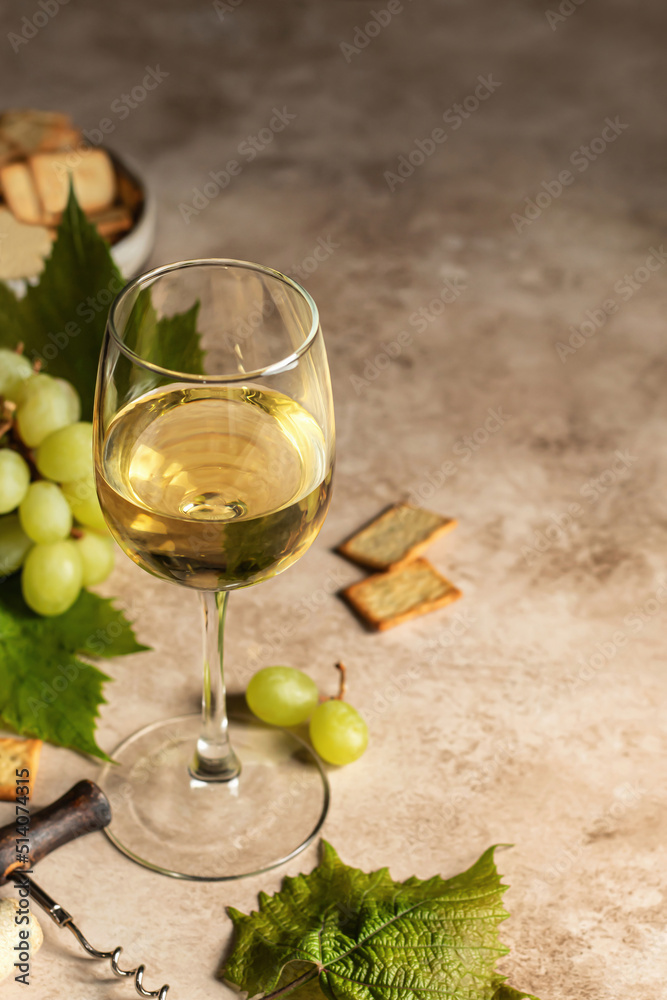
[[214, 758]]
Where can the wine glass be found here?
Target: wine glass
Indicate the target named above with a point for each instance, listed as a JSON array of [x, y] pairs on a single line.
[[214, 450]]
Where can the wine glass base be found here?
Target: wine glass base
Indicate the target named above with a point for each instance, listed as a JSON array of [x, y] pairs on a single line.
[[208, 831]]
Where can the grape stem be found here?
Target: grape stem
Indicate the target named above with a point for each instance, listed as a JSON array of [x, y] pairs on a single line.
[[7, 408], [37, 363], [307, 977], [342, 689], [18, 444]]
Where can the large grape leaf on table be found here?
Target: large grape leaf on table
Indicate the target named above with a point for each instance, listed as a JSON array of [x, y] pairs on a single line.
[[344, 934], [46, 689]]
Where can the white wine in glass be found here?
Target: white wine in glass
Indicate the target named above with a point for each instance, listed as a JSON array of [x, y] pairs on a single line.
[[215, 474]]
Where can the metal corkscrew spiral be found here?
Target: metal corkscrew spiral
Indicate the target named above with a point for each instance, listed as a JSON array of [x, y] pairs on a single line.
[[62, 918]]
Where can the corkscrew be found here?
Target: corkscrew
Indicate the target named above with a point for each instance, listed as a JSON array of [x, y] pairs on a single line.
[[84, 809]]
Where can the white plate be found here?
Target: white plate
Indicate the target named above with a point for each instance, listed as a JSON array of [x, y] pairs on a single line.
[[133, 250]]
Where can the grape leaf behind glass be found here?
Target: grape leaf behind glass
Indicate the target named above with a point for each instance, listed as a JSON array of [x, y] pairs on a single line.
[[344, 934], [61, 320]]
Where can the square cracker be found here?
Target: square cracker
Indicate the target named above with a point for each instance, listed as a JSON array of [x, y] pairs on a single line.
[[15, 754], [92, 174], [112, 222], [20, 193], [395, 537], [38, 131], [388, 599]]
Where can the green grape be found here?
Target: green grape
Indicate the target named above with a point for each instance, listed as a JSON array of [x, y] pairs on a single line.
[[282, 696], [67, 454], [72, 396], [82, 498], [97, 557], [51, 578], [14, 545], [31, 386], [44, 513], [44, 406], [38, 383], [14, 479], [338, 732], [15, 369]]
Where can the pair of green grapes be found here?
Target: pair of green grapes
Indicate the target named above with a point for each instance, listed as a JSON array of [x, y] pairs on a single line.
[[284, 696], [46, 482]]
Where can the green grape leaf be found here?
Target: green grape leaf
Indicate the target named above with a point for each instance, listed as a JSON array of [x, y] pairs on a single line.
[[61, 319], [46, 690], [344, 934], [170, 341]]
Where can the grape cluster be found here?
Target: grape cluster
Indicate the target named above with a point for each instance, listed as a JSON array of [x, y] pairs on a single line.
[[284, 696], [46, 484]]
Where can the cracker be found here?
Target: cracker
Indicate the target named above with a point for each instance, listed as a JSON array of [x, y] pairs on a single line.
[[22, 247], [131, 193], [92, 174], [20, 193], [387, 599], [38, 131], [395, 537], [113, 222], [16, 754]]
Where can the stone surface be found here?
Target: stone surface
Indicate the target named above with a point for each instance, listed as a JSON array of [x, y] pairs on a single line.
[[532, 711]]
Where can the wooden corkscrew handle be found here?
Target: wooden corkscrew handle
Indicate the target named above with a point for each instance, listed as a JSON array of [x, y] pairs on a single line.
[[84, 809]]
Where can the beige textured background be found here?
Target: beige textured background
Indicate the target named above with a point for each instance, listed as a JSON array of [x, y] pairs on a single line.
[[533, 711]]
